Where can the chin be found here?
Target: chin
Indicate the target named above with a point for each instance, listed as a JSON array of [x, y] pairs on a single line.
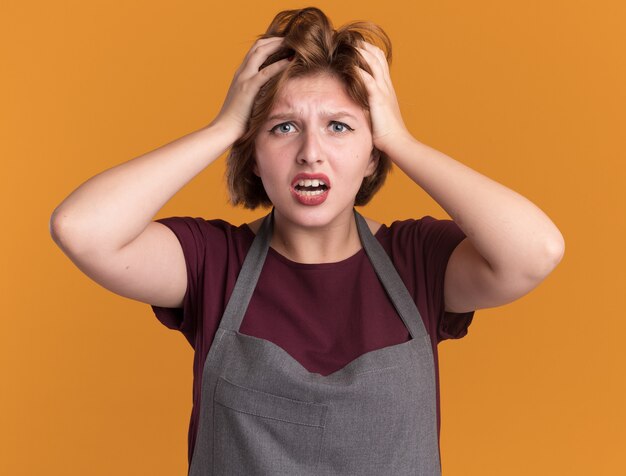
[[312, 216]]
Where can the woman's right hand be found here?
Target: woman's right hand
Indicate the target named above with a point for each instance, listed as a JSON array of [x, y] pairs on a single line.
[[246, 84]]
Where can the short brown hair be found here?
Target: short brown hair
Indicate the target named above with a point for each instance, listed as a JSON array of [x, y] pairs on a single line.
[[316, 48]]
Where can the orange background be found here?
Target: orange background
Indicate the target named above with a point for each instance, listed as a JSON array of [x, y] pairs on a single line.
[[528, 93]]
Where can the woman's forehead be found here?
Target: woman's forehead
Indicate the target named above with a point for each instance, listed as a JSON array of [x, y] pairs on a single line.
[[320, 93]]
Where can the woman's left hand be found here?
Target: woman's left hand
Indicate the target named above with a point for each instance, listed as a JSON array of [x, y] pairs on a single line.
[[387, 124]]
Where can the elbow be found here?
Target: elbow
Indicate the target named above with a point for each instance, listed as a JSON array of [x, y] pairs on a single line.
[[75, 238], [549, 258], [556, 249], [54, 226], [57, 227], [65, 233]]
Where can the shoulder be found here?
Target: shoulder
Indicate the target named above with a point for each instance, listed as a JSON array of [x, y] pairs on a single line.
[[424, 228], [201, 225], [423, 244], [199, 235], [198, 222]]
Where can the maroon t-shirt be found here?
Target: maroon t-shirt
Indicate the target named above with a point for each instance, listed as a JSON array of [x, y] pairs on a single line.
[[324, 315]]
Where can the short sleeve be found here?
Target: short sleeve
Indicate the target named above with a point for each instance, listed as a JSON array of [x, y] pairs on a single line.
[[420, 250], [188, 230], [439, 239]]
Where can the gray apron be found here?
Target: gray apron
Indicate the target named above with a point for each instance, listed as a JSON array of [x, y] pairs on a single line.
[[262, 413]]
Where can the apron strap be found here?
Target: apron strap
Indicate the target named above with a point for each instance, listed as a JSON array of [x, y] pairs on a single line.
[[390, 279], [386, 272], [248, 276]]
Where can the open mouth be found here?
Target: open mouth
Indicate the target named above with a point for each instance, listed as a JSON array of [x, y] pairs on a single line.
[[310, 187]]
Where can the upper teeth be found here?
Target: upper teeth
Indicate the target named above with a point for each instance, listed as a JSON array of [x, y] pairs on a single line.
[[311, 183]]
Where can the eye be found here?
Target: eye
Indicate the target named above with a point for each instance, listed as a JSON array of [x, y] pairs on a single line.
[[340, 127], [283, 128]]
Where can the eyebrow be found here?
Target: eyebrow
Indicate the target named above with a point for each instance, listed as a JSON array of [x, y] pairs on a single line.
[[290, 115]]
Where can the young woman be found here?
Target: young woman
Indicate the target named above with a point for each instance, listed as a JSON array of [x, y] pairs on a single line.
[[315, 329]]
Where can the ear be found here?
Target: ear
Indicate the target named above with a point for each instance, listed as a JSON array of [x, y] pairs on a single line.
[[373, 163]]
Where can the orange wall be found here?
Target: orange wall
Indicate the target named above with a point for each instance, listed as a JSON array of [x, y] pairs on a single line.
[[528, 93]]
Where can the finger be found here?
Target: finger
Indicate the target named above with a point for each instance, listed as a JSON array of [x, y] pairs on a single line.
[[377, 59], [368, 80], [380, 73], [257, 44], [262, 42], [266, 73], [373, 63], [381, 59], [374, 50], [260, 53]]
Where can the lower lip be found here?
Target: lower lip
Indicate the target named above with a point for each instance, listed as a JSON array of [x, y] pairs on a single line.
[[310, 199]]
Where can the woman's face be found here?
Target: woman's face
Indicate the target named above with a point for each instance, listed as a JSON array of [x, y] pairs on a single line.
[[313, 151]]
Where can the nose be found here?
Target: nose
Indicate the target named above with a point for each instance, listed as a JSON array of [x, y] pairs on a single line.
[[311, 148]]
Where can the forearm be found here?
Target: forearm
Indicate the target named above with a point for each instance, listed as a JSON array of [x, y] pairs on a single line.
[[112, 208], [511, 233]]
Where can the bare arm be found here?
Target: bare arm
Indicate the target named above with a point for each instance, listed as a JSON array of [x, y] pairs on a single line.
[[511, 245], [105, 227]]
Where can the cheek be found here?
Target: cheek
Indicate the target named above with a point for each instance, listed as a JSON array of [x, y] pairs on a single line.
[[268, 163], [260, 157], [365, 151]]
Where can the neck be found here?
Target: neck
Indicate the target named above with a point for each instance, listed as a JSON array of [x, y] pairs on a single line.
[[328, 244]]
